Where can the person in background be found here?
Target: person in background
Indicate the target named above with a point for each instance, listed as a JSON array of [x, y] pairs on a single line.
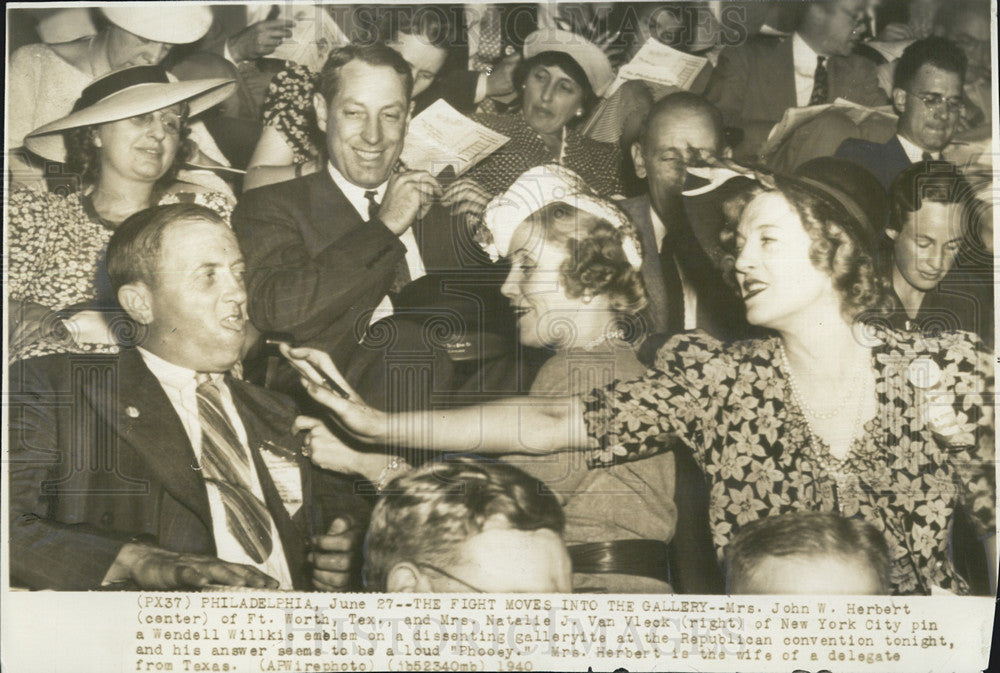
[[291, 143], [463, 525], [929, 220], [755, 82], [560, 80], [827, 415], [808, 553], [682, 252], [44, 80], [194, 477], [927, 94], [126, 138]]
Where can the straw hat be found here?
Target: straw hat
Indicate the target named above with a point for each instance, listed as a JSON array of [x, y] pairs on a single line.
[[588, 56], [123, 94], [162, 22]]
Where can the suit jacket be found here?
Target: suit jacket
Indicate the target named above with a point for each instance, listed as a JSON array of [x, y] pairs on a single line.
[[99, 457], [754, 83], [720, 311], [316, 269], [885, 160]]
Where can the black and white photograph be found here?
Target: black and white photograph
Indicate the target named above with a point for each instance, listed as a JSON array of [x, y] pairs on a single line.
[[499, 336]]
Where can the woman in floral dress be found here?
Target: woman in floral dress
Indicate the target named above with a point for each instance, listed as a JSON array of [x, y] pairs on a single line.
[[124, 140], [829, 414]]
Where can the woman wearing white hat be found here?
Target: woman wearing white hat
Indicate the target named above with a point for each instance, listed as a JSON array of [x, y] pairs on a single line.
[[125, 137], [45, 79], [561, 79]]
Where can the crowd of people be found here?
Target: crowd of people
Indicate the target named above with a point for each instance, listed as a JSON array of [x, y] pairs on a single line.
[[733, 337]]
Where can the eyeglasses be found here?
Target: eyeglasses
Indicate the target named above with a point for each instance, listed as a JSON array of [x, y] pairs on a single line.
[[444, 573], [170, 121], [935, 101]]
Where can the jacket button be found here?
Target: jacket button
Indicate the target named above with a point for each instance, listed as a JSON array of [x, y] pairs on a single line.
[[107, 518]]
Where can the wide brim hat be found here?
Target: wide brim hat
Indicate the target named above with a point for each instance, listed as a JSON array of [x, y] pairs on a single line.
[[162, 22], [123, 94], [588, 56]]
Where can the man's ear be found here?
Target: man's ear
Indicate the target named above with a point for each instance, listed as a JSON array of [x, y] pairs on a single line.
[[137, 301], [319, 104], [899, 100], [406, 578], [638, 161], [891, 233]]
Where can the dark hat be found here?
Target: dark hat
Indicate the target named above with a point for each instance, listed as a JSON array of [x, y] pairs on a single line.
[[850, 186]]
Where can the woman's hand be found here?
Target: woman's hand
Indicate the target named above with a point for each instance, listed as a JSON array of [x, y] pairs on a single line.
[[326, 450], [361, 421], [466, 197]]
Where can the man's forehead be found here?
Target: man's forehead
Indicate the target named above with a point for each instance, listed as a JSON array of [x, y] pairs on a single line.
[[189, 239], [932, 79], [681, 128], [358, 78]]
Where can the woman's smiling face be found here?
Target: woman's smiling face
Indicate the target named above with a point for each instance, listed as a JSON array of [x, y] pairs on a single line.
[[777, 277]]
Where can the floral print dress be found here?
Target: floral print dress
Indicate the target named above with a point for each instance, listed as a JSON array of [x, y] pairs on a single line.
[[288, 107], [733, 407], [55, 248]]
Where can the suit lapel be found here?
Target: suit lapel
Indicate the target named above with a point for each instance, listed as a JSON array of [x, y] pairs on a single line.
[[652, 271], [147, 422], [267, 422], [785, 94], [329, 214]]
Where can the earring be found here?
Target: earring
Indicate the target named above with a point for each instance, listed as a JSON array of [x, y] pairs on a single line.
[[587, 297], [579, 113]]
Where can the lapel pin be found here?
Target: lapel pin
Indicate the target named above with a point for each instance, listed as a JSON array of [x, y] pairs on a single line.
[[131, 412]]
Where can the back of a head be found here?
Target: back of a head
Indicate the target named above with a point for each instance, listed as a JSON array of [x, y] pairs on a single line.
[[936, 51], [328, 83], [425, 516], [802, 539], [433, 24]]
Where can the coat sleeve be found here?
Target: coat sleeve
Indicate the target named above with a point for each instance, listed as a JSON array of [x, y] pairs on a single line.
[[46, 553], [305, 289]]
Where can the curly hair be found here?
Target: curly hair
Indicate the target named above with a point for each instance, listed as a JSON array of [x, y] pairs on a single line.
[[83, 156], [850, 263], [595, 262], [426, 515]]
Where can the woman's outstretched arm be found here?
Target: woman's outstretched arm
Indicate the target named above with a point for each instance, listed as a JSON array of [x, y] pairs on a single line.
[[513, 425]]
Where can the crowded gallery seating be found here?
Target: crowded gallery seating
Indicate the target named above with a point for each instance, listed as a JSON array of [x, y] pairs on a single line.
[[637, 297]]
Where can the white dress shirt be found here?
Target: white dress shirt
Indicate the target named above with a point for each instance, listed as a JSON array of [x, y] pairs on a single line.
[[914, 153], [181, 388], [804, 59], [356, 195], [690, 296]]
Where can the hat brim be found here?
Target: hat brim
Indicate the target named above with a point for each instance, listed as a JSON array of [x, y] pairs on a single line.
[[200, 94], [588, 56], [170, 24]]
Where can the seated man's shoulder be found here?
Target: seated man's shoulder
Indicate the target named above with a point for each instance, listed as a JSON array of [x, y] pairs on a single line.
[[56, 372], [854, 147]]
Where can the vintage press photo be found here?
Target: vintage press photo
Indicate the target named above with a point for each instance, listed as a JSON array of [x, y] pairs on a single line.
[[499, 336]]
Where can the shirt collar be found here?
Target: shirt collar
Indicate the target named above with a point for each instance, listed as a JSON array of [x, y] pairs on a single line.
[[355, 194], [913, 152], [803, 56], [169, 374]]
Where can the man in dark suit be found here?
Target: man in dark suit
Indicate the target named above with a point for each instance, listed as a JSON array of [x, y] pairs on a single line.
[[754, 83], [326, 250], [927, 94], [153, 468], [682, 254]]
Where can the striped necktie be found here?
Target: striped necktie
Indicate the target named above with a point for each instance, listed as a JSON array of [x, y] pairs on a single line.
[[225, 464], [821, 83]]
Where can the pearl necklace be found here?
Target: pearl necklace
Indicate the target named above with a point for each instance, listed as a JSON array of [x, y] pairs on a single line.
[[616, 335], [800, 398]]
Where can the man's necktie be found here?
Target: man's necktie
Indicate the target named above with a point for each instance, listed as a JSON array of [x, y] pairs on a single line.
[[402, 276], [225, 464], [672, 284], [490, 42], [821, 83]]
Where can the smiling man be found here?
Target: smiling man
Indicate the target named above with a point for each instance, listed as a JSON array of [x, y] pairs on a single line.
[[927, 95], [155, 469], [324, 251]]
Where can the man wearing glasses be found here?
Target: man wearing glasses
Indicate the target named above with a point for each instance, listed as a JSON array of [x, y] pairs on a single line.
[[927, 95], [465, 525]]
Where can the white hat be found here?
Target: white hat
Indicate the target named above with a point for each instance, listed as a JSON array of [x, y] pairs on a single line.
[[123, 94], [538, 187], [162, 22], [588, 56]]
